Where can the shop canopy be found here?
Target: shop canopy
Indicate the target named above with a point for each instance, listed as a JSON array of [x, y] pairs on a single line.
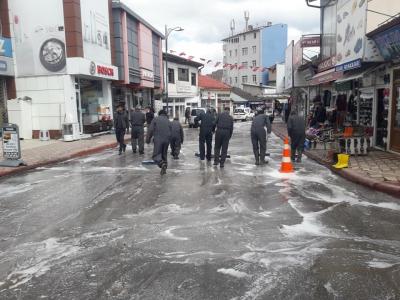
[[326, 76]]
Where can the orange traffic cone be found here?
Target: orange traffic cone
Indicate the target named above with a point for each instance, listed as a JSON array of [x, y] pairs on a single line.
[[286, 166]]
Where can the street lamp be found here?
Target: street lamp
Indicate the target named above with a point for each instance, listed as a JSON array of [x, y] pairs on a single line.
[[167, 33]]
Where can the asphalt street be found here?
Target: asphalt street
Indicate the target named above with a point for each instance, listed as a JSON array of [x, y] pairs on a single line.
[[107, 227]]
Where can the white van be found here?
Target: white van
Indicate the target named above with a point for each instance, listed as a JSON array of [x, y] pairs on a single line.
[[243, 114]]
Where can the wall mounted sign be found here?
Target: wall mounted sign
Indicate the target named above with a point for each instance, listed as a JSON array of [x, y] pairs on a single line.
[[349, 65], [311, 41], [5, 47], [327, 64], [388, 43]]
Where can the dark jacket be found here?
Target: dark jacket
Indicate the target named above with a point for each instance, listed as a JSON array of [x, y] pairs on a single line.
[[137, 118], [207, 122], [149, 117], [296, 127], [224, 122], [320, 114], [160, 129], [121, 120], [259, 122], [177, 130]]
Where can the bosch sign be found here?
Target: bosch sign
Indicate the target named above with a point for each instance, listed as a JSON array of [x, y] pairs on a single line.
[[106, 71]]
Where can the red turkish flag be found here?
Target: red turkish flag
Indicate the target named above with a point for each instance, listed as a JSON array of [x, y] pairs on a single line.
[[190, 57], [182, 54]]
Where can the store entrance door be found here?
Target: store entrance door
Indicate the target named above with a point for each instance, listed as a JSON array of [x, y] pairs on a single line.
[[395, 126]]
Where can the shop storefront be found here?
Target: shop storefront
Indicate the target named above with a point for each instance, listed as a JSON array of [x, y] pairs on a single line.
[[395, 117], [6, 73]]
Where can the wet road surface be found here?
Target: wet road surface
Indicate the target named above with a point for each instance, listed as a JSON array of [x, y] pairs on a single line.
[[107, 227]]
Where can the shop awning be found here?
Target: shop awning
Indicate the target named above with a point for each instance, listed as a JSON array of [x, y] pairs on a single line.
[[350, 78], [326, 76]]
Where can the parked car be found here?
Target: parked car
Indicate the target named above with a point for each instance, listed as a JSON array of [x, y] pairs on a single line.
[[195, 113], [243, 114]]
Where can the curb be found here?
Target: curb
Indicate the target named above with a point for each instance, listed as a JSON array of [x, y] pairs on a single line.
[[353, 176], [80, 153]]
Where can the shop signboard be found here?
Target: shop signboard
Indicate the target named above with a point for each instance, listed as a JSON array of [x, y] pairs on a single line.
[[349, 65], [350, 24], [6, 66], [327, 64], [11, 146], [39, 37], [326, 76], [289, 66], [81, 66], [311, 41], [96, 30], [5, 47], [388, 43]]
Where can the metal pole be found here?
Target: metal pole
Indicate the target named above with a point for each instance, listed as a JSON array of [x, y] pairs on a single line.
[[166, 67]]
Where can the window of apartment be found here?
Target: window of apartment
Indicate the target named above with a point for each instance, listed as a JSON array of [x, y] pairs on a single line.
[[183, 74], [245, 51], [255, 35], [254, 63], [235, 79], [244, 79], [171, 75], [254, 78], [235, 52], [254, 49], [230, 53], [244, 37], [193, 78], [245, 64]]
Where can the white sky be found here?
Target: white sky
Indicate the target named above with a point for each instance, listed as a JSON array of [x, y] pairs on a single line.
[[206, 22]]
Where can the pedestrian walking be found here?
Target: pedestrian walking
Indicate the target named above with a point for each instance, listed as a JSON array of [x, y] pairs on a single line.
[[297, 133], [160, 129], [177, 137], [259, 136], [138, 119], [126, 113], [207, 127], [224, 125], [120, 124], [187, 115], [149, 115]]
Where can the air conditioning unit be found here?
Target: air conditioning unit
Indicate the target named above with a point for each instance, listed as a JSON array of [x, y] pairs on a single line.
[[71, 132]]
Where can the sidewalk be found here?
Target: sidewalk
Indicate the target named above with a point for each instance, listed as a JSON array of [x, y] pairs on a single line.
[[378, 170], [36, 153]]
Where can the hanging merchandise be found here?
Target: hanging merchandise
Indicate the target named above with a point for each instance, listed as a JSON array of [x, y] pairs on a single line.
[[365, 112]]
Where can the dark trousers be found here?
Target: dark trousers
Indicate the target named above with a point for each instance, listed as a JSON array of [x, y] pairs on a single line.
[[160, 152], [137, 137], [297, 145], [175, 146], [120, 134], [205, 138], [259, 141], [222, 138]]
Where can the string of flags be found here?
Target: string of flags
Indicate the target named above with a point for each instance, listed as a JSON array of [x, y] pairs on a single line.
[[216, 64]]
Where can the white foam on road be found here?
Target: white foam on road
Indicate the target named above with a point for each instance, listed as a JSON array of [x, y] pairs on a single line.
[[233, 272], [169, 234]]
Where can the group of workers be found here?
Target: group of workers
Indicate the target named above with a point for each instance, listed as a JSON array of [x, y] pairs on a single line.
[[165, 134]]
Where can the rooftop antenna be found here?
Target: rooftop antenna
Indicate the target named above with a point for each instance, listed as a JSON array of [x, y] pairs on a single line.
[[246, 18], [233, 27]]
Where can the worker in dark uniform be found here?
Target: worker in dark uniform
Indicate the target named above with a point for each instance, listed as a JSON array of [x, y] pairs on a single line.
[[120, 123], [138, 119], [176, 137], [160, 129], [259, 136], [207, 126], [297, 133], [224, 125]]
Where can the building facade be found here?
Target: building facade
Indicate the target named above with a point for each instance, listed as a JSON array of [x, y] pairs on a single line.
[[7, 81], [183, 84], [63, 66], [248, 54], [138, 56], [214, 93]]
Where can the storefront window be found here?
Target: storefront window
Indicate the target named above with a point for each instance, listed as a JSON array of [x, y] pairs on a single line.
[[96, 111], [397, 109]]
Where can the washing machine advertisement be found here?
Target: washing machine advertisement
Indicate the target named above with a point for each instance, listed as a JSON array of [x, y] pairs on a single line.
[[96, 30], [39, 37]]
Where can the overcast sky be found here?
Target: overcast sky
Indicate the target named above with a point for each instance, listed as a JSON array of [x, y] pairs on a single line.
[[206, 22]]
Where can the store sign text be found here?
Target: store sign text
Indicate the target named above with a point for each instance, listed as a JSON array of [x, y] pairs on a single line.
[[349, 66], [327, 64], [106, 71], [311, 41]]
